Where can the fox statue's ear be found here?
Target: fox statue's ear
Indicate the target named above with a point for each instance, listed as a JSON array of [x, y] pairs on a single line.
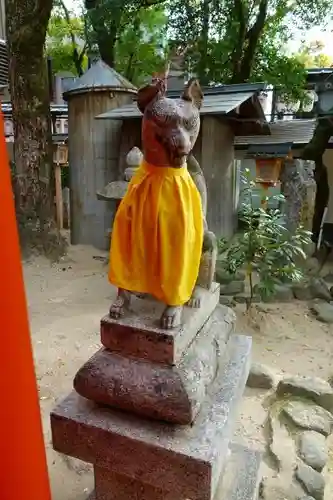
[[192, 92], [145, 95], [157, 87]]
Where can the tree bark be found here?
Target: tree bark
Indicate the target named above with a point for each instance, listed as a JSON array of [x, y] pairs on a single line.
[[27, 22]]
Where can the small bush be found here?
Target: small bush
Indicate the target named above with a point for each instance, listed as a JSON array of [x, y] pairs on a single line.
[[265, 247]]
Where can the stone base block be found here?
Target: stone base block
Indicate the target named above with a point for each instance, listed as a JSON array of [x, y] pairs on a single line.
[[139, 335], [187, 460], [112, 486], [159, 391], [239, 481]]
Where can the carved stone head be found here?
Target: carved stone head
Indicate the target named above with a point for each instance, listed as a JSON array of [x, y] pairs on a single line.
[[170, 127]]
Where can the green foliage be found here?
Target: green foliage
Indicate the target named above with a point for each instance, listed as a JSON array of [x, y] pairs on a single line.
[[312, 56], [130, 35], [265, 248], [225, 41], [141, 48], [66, 41], [234, 41]]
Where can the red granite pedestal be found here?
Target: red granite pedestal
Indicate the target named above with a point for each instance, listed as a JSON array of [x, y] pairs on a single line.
[[195, 374]]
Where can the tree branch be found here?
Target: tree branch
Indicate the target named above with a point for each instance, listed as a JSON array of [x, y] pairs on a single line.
[[77, 58], [239, 45], [252, 37]]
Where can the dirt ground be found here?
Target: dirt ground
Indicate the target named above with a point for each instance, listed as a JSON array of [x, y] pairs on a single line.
[[66, 301]]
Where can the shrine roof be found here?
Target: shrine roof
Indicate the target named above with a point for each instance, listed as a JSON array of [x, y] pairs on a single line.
[[297, 131], [219, 100], [270, 150]]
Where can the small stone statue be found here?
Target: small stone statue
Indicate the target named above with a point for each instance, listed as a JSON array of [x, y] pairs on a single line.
[[133, 160], [158, 232]]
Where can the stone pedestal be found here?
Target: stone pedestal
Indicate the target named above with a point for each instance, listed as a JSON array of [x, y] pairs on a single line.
[[192, 375]]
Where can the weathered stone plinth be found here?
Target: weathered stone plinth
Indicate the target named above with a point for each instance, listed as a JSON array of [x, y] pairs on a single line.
[[158, 373], [133, 455], [194, 374]]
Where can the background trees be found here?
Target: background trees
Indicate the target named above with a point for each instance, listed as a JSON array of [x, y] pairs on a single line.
[[223, 41], [229, 41]]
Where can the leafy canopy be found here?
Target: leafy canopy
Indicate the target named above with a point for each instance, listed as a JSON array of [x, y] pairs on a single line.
[[223, 41]]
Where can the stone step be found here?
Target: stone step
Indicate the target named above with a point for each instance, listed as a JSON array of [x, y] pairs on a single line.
[[240, 480], [188, 459]]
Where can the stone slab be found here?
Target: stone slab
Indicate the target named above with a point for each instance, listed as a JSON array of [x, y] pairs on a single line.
[[138, 333], [240, 480], [169, 393], [191, 458]]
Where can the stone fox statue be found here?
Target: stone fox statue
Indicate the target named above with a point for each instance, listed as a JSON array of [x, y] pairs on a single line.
[[158, 232]]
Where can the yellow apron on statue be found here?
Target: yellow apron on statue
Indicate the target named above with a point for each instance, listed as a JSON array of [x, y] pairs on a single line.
[[157, 235]]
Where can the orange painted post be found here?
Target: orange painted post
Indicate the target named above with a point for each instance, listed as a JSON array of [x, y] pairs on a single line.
[[23, 469]]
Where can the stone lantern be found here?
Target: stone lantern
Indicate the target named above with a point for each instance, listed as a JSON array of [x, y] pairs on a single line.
[[286, 108], [311, 99], [116, 190], [324, 91]]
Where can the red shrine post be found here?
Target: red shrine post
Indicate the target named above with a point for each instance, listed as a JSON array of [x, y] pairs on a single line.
[[22, 452]]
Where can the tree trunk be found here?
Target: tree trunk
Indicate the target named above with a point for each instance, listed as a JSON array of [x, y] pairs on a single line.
[[320, 139], [106, 32], [244, 58], [107, 46], [314, 150], [322, 196], [203, 43], [27, 22], [77, 57], [236, 57]]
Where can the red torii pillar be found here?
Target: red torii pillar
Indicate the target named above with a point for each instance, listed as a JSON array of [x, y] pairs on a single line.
[[23, 468]]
